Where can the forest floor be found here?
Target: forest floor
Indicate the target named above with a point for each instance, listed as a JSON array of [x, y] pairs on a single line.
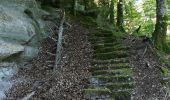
[[146, 67], [72, 76], [73, 73]]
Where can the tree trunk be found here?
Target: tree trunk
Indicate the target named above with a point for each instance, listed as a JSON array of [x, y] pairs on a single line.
[[85, 4], [112, 11], [120, 15], [159, 35], [74, 7]]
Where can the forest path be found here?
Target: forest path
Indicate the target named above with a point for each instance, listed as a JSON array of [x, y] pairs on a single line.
[[123, 69]]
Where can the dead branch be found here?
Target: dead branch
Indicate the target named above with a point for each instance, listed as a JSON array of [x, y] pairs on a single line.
[[144, 52], [55, 40], [59, 43], [51, 53]]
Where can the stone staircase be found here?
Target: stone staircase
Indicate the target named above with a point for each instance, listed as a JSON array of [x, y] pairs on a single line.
[[111, 75]]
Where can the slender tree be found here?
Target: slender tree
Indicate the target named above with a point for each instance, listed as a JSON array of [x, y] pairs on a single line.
[[85, 3], [120, 15], [112, 11], [74, 7], [159, 35]]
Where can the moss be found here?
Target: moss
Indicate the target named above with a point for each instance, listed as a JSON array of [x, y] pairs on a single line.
[[113, 66], [168, 65], [122, 95], [112, 48], [88, 21], [116, 34], [110, 61], [97, 90], [114, 45], [103, 45], [120, 86], [163, 47], [164, 71], [102, 40], [98, 34], [123, 71], [104, 30], [116, 78]]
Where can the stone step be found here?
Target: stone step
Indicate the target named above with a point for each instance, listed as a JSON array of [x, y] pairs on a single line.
[[123, 71], [103, 45], [111, 75], [124, 94], [102, 79], [114, 45], [103, 93], [111, 61], [101, 34], [113, 87], [111, 49], [120, 86], [111, 55], [98, 90], [95, 96], [103, 30], [95, 38], [110, 67], [102, 40]]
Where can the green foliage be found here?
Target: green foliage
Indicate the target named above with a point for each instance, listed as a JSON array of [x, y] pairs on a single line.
[[132, 17], [164, 71], [149, 8], [140, 15], [102, 18]]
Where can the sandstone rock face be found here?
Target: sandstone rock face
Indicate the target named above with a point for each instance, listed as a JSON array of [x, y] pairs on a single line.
[[20, 36], [6, 71], [8, 49]]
